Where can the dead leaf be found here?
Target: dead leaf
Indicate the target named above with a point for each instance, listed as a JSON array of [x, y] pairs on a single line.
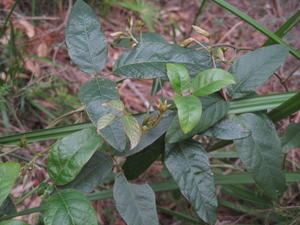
[[29, 28], [32, 66], [42, 50]]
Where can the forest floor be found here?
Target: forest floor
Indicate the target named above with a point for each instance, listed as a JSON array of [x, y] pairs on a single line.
[[47, 82]]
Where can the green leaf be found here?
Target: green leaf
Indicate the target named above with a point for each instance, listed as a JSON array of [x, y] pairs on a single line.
[[69, 207], [179, 78], [104, 121], [13, 222], [253, 69], [291, 138], [188, 164], [115, 104], [93, 173], [138, 163], [286, 108], [214, 109], [135, 202], [189, 111], [228, 129], [93, 94], [9, 173], [7, 207], [261, 153], [132, 130], [148, 60], [71, 153], [86, 43], [151, 135], [210, 81]]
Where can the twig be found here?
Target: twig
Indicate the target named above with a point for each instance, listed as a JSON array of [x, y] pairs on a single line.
[[281, 82], [230, 31], [291, 74], [57, 120], [196, 17]]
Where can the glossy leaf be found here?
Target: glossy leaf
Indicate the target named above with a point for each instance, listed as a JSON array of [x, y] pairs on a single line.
[[214, 109], [135, 202], [188, 164], [71, 153], [86, 43], [93, 173], [138, 163], [228, 129], [253, 69], [132, 130], [148, 60], [13, 222], [69, 207], [9, 173], [93, 94], [261, 153], [210, 81], [189, 110], [179, 78], [291, 138]]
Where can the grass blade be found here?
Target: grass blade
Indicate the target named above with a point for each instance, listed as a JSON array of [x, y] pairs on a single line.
[[286, 108], [285, 28], [257, 26], [251, 104]]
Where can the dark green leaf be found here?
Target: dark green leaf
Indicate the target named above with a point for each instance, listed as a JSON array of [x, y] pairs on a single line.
[[210, 81], [94, 94], [228, 129], [253, 69], [138, 163], [13, 222], [135, 202], [69, 207], [86, 43], [9, 173], [188, 164], [132, 130], [189, 110], [179, 78], [148, 60], [71, 153], [261, 153], [214, 109], [291, 138], [93, 173], [7, 207]]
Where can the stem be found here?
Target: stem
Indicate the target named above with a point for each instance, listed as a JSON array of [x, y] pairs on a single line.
[[243, 178], [199, 11], [251, 104], [180, 216]]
